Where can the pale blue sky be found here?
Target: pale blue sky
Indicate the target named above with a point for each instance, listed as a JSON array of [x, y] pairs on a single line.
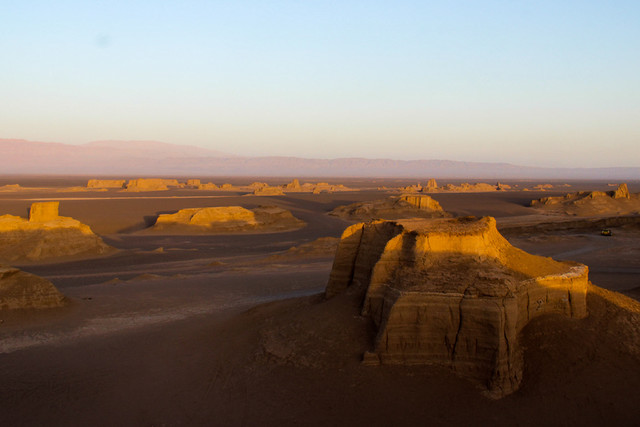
[[530, 82]]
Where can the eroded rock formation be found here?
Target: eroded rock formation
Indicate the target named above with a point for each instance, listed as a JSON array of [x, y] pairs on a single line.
[[151, 184], [106, 183], [46, 235], [268, 191], [453, 292], [227, 219], [24, 290], [404, 206], [592, 203]]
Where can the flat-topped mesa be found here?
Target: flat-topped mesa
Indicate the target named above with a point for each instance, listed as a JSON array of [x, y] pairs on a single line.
[[592, 203], [395, 207], [44, 211], [226, 219], [151, 184], [46, 235], [19, 290], [453, 292], [106, 183]]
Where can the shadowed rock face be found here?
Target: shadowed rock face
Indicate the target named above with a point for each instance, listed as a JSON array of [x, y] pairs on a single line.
[[227, 219], [23, 290], [46, 235], [453, 292], [405, 206]]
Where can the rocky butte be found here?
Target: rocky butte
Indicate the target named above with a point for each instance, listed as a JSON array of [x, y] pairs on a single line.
[[453, 292], [24, 290], [46, 235], [592, 203], [405, 206], [227, 219]]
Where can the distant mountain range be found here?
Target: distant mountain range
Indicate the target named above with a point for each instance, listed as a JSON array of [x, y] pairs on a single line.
[[144, 158]]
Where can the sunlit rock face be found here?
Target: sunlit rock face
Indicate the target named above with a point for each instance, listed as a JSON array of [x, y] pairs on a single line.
[[151, 184], [403, 206], [46, 235], [106, 183], [592, 203], [227, 219], [23, 290], [453, 292]]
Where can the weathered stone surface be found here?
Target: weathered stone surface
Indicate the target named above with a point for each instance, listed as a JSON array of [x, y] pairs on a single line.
[[227, 219], [404, 206], [432, 185], [208, 186], [24, 290], [268, 191], [106, 183], [453, 292], [44, 211], [46, 235], [294, 185], [592, 203], [193, 183], [151, 184]]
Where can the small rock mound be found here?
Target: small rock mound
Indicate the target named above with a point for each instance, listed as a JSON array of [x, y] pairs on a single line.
[[24, 290], [405, 206], [592, 203], [226, 219], [46, 235], [453, 292]]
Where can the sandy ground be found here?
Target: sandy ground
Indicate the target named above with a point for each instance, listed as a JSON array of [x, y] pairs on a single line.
[[159, 333]]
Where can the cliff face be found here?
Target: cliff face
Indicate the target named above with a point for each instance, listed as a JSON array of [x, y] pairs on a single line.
[[227, 219], [46, 235], [453, 292], [23, 290]]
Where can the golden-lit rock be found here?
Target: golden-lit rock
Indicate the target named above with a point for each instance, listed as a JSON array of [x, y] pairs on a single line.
[[268, 191], [453, 292], [193, 183], [106, 183], [404, 206], [151, 184], [226, 219], [46, 235], [592, 203]]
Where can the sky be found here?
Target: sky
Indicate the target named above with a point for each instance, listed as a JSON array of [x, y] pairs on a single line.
[[538, 83]]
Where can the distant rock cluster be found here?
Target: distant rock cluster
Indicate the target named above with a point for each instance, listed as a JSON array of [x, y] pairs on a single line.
[[453, 292], [592, 203], [404, 206]]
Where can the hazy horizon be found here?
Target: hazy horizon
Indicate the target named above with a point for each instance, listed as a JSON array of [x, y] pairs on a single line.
[[543, 84]]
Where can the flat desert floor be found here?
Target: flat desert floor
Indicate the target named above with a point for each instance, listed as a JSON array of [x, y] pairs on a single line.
[[196, 329]]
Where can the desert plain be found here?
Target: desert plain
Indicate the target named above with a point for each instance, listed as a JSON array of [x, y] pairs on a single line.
[[231, 326]]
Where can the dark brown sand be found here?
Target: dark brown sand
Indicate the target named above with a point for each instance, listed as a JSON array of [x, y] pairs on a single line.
[[159, 333]]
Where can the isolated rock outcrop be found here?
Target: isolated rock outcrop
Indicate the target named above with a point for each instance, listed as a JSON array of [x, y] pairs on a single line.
[[453, 292], [193, 183], [24, 290], [432, 185], [151, 184], [106, 183], [208, 186], [268, 191], [293, 186], [404, 206], [226, 219], [46, 235], [592, 203]]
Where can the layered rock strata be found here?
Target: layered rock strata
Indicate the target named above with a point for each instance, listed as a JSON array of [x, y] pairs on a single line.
[[46, 235], [405, 206], [24, 290], [227, 219], [453, 292]]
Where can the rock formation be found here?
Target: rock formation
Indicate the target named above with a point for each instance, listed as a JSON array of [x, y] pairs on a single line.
[[465, 187], [24, 290], [227, 219], [293, 186], [453, 292], [46, 235], [151, 184], [592, 203], [193, 183], [208, 186], [432, 185], [268, 191], [405, 206], [106, 183]]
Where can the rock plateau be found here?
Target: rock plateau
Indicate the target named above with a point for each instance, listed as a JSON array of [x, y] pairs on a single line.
[[592, 203], [405, 206], [453, 292], [46, 235]]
